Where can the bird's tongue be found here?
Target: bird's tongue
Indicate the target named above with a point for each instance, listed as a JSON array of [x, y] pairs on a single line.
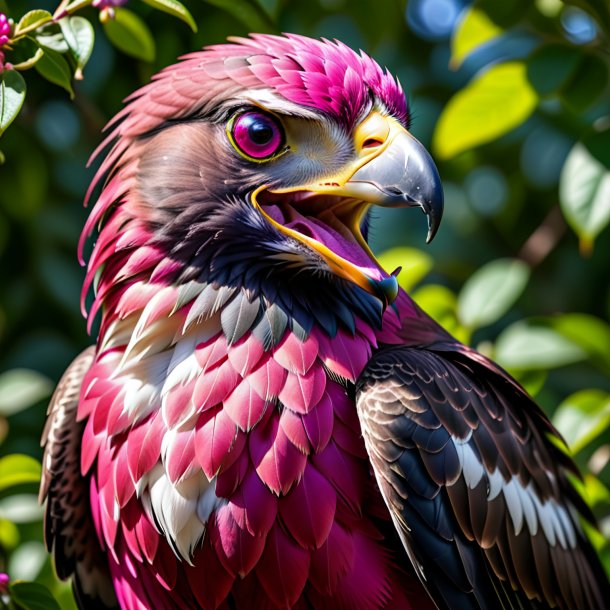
[[337, 239]]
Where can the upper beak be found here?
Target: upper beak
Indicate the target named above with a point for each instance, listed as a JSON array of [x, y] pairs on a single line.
[[401, 175]]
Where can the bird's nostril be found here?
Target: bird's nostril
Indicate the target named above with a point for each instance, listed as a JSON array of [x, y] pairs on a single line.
[[372, 143]]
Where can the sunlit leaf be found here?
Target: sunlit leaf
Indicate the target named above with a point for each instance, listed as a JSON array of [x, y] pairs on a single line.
[[551, 66], [18, 469], [589, 332], [415, 265], [54, 67], [582, 417], [12, 94], [22, 388], [32, 596], [440, 303], [492, 104], [490, 291], [174, 8], [474, 30], [584, 193], [80, 37], [21, 508], [27, 560], [130, 34], [31, 21], [9, 534], [522, 346]]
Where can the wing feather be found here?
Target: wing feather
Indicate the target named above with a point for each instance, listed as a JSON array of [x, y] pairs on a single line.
[[68, 527], [478, 492]]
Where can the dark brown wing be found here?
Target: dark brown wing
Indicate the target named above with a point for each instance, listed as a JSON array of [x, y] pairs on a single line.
[[475, 486], [69, 530]]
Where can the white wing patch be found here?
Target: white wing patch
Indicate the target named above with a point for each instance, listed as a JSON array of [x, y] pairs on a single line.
[[522, 501]]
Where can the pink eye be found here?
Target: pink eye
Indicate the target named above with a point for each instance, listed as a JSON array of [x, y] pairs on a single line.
[[256, 135]]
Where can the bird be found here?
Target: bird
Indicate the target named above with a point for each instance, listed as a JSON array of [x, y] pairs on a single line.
[[267, 420]]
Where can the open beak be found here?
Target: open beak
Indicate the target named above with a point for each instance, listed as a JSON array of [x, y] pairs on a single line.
[[391, 169]]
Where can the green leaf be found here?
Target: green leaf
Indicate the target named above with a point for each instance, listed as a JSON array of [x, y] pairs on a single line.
[[415, 265], [174, 8], [12, 94], [54, 67], [440, 303], [26, 562], [32, 596], [51, 37], [492, 104], [247, 13], [80, 37], [22, 388], [130, 34], [490, 291], [582, 417], [584, 193], [521, 346], [21, 508], [550, 67], [589, 332], [474, 30], [588, 83], [31, 21], [18, 469]]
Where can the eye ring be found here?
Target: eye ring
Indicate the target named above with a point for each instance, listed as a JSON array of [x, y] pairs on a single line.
[[256, 135]]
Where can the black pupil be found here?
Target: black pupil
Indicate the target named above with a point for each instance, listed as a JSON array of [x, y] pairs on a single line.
[[260, 132]]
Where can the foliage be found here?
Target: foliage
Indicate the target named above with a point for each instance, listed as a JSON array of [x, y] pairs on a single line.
[[513, 100]]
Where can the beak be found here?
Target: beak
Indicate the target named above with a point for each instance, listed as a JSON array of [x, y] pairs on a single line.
[[402, 175], [391, 169]]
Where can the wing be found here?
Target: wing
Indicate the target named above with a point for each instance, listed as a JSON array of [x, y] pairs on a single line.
[[477, 489], [69, 531]]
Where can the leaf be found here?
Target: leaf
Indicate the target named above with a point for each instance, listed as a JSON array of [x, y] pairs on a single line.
[[27, 560], [32, 596], [80, 37], [22, 388], [521, 346], [21, 508], [588, 83], [440, 303], [174, 8], [589, 332], [474, 30], [12, 94], [492, 104], [415, 265], [31, 21], [551, 66], [490, 291], [582, 417], [248, 14], [130, 34], [54, 67], [18, 469], [584, 193], [51, 37]]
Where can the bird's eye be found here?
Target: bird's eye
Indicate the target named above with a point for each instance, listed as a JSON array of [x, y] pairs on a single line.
[[257, 136]]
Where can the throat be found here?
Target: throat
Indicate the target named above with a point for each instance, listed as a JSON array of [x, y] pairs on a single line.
[[334, 226]]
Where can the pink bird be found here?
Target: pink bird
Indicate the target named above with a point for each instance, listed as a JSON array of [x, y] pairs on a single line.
[[266, 420]]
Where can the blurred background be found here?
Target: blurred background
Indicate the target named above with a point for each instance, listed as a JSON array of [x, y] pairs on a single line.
[[512, 98]]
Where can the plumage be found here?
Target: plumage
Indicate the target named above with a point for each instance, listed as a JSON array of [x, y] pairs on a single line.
[[267, 421]]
